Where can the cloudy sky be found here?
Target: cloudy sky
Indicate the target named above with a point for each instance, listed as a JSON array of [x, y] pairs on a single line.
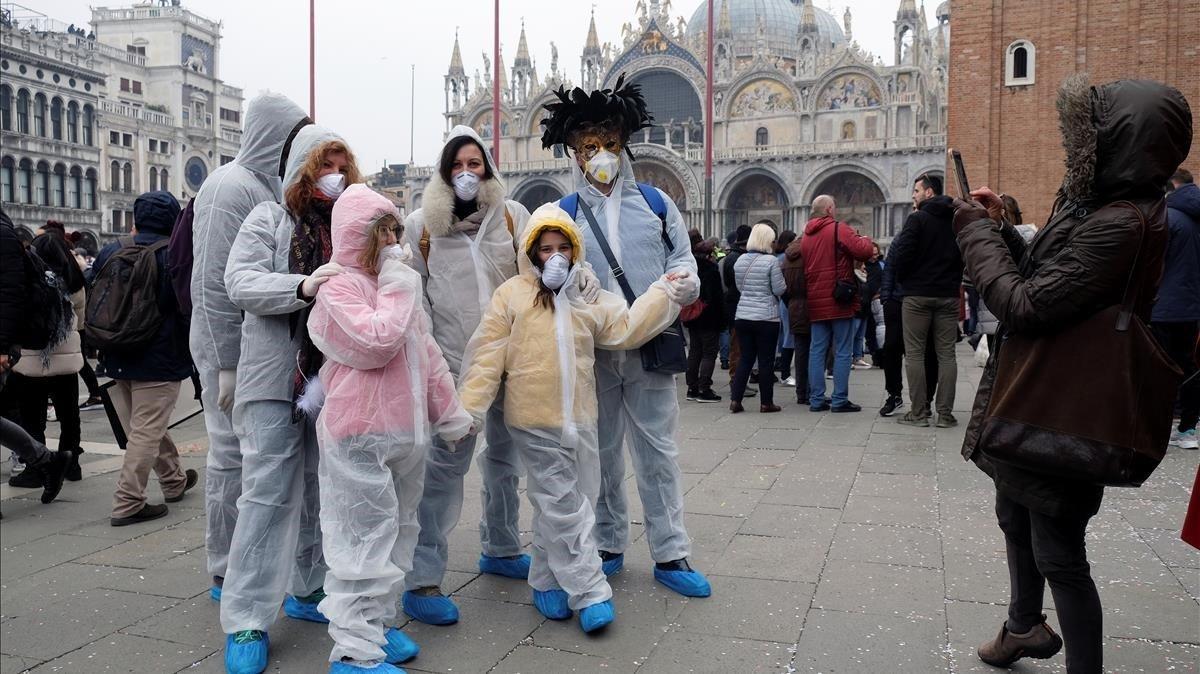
[[366, 51]]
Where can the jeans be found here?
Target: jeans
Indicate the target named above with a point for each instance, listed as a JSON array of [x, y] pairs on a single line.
[[860, 338], [724, 351], [703, 344], [1179, 341], [839, 333], [930, 319], [758, 340], [972, 322], [1045, 549]]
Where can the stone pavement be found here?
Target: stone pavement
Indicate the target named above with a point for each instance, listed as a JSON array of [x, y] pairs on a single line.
[[835, 543]]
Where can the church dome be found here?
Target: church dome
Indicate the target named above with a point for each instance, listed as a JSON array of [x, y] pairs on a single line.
[[780, 21]]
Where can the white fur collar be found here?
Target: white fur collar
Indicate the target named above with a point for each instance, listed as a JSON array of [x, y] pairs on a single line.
[[437, 204]]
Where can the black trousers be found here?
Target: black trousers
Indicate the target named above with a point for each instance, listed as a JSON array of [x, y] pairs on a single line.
[[803, 342], [703, 345], [1179, 340], [892, 353], [1045, 549], [757, 340], [12, 436], [32, 393]]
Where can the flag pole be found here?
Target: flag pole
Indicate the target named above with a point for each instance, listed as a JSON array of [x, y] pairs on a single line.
[[496, 87], [708, 127], [312, 59]]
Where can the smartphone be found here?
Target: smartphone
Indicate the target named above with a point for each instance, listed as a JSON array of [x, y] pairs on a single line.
[[960, 174]]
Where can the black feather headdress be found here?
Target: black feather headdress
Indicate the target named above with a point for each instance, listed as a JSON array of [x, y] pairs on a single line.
[[622, 108]]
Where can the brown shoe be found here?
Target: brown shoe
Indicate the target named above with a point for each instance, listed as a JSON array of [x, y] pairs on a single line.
[[1006, 648], [767, 409], [735, 407]]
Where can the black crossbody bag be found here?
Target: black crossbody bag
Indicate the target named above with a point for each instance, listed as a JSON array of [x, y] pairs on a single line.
[[667, 352], [844, 290]]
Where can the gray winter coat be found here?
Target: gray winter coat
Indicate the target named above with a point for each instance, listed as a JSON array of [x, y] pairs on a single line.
[[760, 280]]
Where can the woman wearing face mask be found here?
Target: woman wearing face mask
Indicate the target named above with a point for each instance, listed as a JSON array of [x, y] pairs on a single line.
[[535, 347], [278, 262], [388, 391]]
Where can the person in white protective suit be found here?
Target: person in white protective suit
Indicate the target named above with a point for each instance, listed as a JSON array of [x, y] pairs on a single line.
[[279, 260], [463, 243], [647, 236], [224, 201], [537, 343], [387, 390]]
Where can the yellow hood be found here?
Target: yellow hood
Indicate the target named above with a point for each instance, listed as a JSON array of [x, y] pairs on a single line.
[[551, 217]]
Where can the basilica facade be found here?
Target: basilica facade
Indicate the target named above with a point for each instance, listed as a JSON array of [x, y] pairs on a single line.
[[799, 109]]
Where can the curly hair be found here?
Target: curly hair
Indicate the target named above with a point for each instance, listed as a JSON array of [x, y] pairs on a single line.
[[300, 193]]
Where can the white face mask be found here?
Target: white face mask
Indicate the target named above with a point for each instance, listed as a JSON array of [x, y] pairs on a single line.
[[332, 185], [604, 166], [466, 185], [554, 271]]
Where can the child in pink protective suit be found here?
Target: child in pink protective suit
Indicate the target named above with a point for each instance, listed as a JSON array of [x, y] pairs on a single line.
[[387, 390]]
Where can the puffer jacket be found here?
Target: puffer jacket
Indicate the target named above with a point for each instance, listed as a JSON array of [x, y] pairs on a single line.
[[760, 282], [1179, 295], [1080, 262], [797, 289], [67, 356], [823, 268]]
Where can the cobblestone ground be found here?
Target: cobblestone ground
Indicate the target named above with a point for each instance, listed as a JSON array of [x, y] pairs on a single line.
[[835, 543]]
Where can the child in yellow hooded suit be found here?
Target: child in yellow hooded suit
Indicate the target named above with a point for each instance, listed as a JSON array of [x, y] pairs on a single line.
[[538, 340]]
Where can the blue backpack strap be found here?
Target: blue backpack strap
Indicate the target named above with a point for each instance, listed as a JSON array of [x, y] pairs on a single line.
[[654, 199], [570, 204]]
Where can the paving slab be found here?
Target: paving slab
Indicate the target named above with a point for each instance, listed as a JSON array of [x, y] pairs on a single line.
[[528, 659], [682, 652], [124, 653], [86, 617], [750, 608], [834, 641]]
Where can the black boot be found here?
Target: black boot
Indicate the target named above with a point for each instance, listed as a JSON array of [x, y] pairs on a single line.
[[74, 472]]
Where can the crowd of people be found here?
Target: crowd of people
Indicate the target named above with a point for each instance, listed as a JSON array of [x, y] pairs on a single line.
[[352, 362]]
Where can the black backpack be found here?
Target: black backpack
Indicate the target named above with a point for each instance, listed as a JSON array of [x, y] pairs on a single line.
[[122, 310], [47, 307]]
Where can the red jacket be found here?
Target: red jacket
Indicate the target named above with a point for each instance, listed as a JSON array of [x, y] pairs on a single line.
[[817, 248]]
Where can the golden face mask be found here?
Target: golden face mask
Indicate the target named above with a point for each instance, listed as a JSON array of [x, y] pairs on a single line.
[[590, 141]]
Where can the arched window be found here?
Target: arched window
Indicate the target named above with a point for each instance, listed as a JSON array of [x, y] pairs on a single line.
[[6, 107], [23, 111], [89, 190], [127, 177], [89, 123], [56, 118], [25, 182], [59, 183], [41, 185], [8, 169], [72, 122], [1020, 64], [153, 178], [162, 181], [761, 136], [114, 176], [39, 115], [75, 188]]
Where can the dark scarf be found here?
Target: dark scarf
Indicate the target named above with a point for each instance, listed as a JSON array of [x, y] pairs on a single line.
[[312, 246], [463, 209]]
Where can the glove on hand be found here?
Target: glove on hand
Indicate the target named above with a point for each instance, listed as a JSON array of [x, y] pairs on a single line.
[[226, 383], [682, 287], [318, 278], [395, 274], [589, 284]]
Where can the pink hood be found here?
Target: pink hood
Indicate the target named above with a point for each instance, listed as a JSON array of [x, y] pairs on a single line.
[[354, 216]]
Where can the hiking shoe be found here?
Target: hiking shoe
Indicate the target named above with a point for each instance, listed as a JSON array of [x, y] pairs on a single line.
[[592, 618], [147, 513], [946, 421], [516, 566], [192, 477], [1181, 439], [428, 605], [400, 647], [911, 419], [707, 396], [552, 604], [691, 394], [30, 478], [845, 408], [246, 652], [1040, 642], [53, 473], [306, 608], [890, 406], [611, 562], [92, 403]]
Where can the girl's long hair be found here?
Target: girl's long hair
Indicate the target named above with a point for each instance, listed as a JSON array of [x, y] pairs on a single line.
[[300, 193]]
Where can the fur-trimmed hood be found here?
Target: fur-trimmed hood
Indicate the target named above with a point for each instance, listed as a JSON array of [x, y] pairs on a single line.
[[1123, 140], [437, 204]]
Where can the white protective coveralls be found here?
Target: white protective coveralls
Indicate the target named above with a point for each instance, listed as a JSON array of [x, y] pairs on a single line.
[[467, 262], [546, 359], [278, 526], [224, 201], [387, 391], [633, 402]]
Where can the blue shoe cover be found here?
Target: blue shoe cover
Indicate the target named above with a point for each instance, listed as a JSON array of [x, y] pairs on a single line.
[[687, 583], [613, 566], [246, 652], [517, 567], [592, 618], [399, 647], [552, 604], [299, 610], [436, 610], [349, 668], [215, 593]]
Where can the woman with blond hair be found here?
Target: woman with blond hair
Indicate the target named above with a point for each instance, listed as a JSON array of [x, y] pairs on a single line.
[[759, 279], [280, 259]]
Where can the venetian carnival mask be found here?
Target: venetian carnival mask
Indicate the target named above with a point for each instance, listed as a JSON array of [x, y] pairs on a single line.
[[600, 150]]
